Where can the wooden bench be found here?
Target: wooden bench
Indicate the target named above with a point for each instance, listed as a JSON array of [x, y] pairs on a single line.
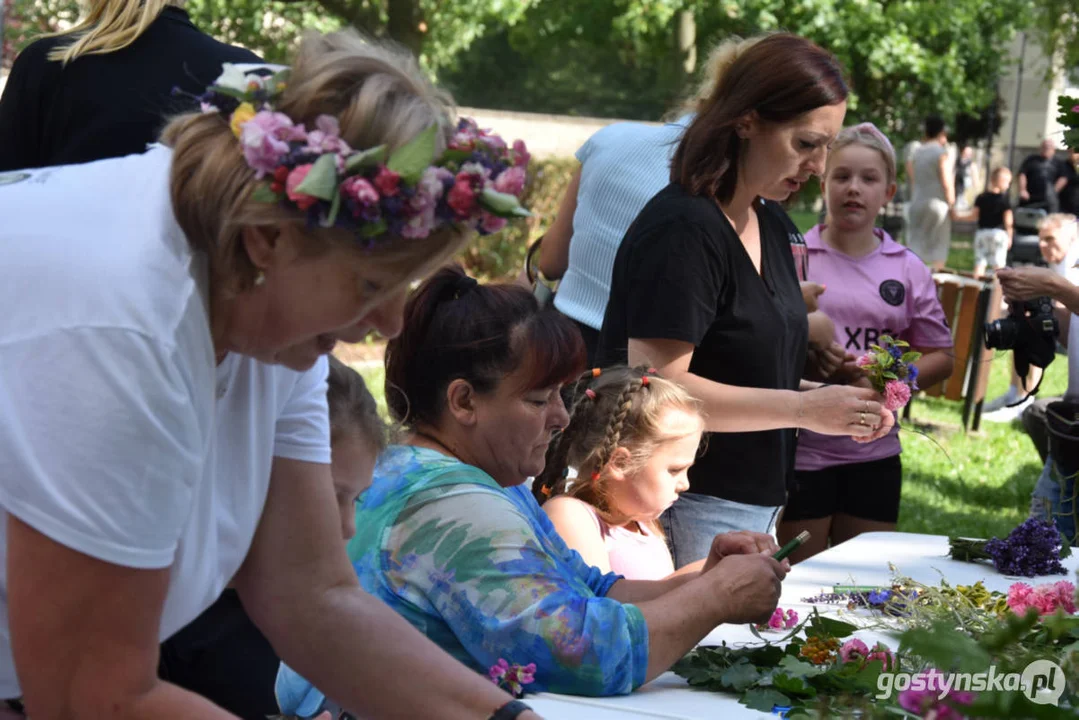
[[968, 304]]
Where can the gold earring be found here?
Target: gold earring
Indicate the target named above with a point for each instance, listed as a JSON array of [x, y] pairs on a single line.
[[260, 279]]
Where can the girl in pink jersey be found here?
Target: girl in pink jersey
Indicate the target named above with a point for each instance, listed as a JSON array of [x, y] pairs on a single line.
[[876, 287], [632, 438]]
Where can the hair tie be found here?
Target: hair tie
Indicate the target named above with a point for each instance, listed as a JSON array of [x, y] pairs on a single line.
[[545, 491], [596, 372], [590, 393], [644, 381], [651, 371], [463, 285], [595, 475]]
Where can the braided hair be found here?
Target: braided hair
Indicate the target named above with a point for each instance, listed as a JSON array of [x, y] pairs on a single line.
[[611, 408]]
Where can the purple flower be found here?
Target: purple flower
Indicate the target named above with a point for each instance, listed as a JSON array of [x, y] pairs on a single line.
[[419, 226], [511, 181], [326, 138], [879, 597], [265, 140], [1032, 548]]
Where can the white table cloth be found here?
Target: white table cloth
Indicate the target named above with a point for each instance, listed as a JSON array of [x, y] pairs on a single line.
[[861, 561]]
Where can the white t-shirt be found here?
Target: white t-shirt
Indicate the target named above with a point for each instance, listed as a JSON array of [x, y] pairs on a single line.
[[119, 437]]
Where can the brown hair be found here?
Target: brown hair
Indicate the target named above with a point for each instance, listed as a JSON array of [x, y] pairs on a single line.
[[352, 407], [717, 65], [455, 328], [779, 77], [379, 96], [618, 407]]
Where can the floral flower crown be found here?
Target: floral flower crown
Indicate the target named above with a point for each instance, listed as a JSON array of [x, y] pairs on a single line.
[[476, 183]]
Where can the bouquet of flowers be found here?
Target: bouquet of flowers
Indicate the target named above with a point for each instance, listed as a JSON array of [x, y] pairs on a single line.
[[1069, 118], [1033, 548], [890, 368]]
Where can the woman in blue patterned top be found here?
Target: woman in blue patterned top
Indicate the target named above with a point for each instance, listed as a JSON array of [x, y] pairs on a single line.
[[451, 538]]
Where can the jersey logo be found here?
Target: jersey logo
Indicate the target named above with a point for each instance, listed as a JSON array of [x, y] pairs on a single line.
[[893, 292]]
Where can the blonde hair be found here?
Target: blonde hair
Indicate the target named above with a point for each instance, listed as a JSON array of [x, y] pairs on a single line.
[[719, 61], [379, 96], [619, 407], [866, 135], [109, 25]]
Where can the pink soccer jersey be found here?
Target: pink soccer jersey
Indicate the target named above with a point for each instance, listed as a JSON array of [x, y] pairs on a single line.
[[890, 291]]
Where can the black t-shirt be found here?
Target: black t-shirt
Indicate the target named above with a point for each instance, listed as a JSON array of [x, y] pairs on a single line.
[[1041, 173], [1069, 196], [102, 106], [991, 208], [682, 273]]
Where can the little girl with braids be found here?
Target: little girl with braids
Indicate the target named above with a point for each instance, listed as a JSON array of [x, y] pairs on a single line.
[[632, 436]]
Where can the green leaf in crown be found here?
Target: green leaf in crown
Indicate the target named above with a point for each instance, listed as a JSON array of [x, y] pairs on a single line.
[[411, 159]]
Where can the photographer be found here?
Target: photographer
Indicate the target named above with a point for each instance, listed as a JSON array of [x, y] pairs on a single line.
[[1061, 255], [1054, 495]]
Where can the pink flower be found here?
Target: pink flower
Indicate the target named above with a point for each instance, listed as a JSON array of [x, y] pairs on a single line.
[[781, 619], [896, 394], [498, 670], [363, 195], [884, 655], [520, 153], [429, 190], [419, 226], [387, 181], [302, 200], [326, 138], [1075, 109], [853, 649], [461, 198], [791, 621], [491, 223], [1019, 598], [1045, 598], [928, 703], [515, 677], [265, 140], [511, 180], [864, 360]]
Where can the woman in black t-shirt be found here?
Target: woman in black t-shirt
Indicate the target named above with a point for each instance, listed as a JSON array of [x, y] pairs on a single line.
[[105, 89], [704, 288]]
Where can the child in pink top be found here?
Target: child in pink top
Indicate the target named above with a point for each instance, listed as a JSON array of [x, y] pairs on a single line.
[[875, 287], [632, 437]]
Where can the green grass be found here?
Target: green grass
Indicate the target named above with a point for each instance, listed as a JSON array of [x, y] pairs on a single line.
[[976, 484]]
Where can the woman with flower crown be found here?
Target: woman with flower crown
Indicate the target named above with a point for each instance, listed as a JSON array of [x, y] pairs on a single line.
[[163, 421]]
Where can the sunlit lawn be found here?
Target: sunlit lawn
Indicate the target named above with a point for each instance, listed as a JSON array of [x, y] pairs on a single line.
[[977, 483]]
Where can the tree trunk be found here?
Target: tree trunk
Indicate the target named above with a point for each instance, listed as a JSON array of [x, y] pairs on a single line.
[[405, 24]]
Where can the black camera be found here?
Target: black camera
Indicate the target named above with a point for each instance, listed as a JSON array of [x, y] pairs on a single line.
[[1030, 332]]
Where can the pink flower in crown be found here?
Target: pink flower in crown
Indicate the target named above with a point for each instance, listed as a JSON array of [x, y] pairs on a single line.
[[420, 225], [511, 180], [896, 394], [265, 140], [884, 655], [363, 196], [462, 199], [387, 182], [865, 360], [853, 649], [492, 140], [491, 223], [295, 177], [429, 189], [520, 153], [326, 137]]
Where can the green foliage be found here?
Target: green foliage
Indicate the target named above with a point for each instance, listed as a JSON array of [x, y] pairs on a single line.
[[1069, 118]]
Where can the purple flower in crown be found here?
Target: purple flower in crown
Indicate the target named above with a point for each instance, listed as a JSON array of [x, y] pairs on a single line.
[[429, 191], [265, 140], [362, 198], [326, 138], [419, 226]]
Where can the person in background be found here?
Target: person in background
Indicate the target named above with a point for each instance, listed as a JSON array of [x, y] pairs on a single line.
[[996, 228], [933, 183], [105, 88], [1055, 495], [966, 178], [1059, 249], [1041, 178], [222, 655], [632, 437], [879, 287], [705, 289]]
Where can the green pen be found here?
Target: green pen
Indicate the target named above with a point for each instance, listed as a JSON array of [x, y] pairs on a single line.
[[791, 546]]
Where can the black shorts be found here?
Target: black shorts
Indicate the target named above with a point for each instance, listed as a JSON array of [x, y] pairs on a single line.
[[868, 490]]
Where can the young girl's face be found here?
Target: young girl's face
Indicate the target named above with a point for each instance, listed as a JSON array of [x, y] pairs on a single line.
[[856, 187], [352, 466], [646, 493]]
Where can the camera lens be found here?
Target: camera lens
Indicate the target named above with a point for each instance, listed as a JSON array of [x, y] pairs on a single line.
[[1001, 334]]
